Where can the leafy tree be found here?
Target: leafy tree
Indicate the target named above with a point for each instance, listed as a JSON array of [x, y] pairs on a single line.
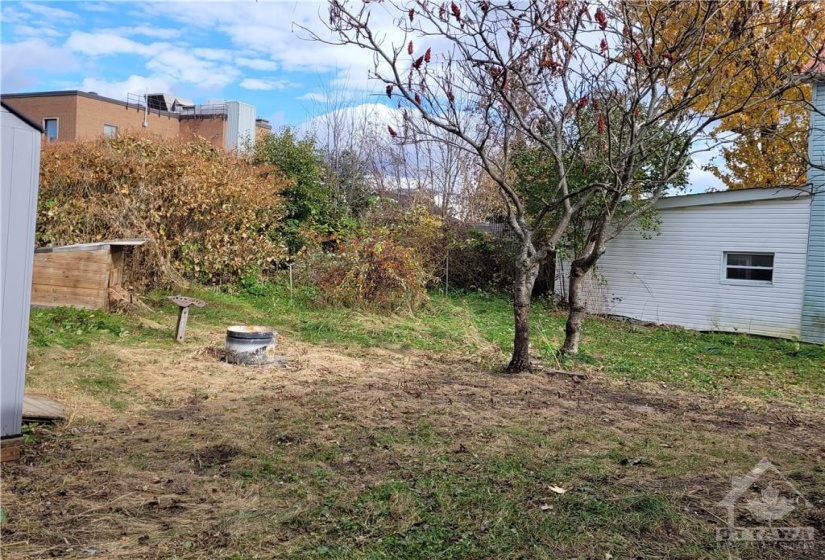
[[310, 202], [765, 144], [347, 175], [528, 70]]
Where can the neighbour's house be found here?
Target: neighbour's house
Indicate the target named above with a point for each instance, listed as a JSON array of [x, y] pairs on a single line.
[[20, 174], [69, 116], [750, 261]]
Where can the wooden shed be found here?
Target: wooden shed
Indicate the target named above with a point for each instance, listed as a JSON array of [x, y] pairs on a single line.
[[20, 172], [86, 276]]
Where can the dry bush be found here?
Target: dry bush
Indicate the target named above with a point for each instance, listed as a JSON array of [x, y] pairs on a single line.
[[207, 215], [419, 229], [373, 272]]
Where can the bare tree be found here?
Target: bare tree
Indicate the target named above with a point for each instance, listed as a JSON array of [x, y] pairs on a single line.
[[559, 75]]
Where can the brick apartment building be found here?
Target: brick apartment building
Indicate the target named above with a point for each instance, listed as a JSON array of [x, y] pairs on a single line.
[[68, 116]]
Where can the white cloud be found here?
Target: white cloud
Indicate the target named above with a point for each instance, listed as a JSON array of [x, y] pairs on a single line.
[[219, 55], [265, 84], [39, 31], [256, 63], [101, 44], [313, 96], [154, 32], [181, 66], [50, 12], [25, 62], [132, 84]]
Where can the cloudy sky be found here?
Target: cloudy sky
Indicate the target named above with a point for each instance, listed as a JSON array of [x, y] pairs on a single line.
[[246, 50]]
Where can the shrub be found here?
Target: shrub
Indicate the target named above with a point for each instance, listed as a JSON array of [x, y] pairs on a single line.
[[207, 215], [479, 261], [372, 272]]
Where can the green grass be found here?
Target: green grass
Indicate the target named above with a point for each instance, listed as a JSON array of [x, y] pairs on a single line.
[[475, 323], [308, 474], [479, 326]]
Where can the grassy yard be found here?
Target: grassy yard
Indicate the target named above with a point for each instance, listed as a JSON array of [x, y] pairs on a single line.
[[396, 436]]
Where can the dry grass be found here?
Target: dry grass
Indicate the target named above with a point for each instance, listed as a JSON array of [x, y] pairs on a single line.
[[374, 453]]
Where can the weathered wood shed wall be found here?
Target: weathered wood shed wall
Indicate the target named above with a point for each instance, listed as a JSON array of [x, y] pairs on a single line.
[[20, 172]]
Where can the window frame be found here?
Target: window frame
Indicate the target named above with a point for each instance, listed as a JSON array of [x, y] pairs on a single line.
[[744, 281], [114, 126], [56, 128]]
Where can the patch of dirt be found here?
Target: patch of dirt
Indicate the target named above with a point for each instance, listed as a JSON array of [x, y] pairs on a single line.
[[198, 462]]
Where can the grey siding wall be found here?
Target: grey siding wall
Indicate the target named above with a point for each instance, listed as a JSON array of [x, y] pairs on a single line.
[[813, 310], [240, 125], [677, 277], [18, 203]]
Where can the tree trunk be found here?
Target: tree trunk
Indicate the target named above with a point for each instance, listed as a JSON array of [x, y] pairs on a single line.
[[523, 288], [572, 330]]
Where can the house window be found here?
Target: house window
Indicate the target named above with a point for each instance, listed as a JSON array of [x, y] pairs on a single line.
[[50, 127], [109, 130], [749, 267]]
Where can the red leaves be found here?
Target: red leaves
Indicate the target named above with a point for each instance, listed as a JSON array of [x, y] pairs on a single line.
[[392, 131], [427, 56], [581, 104], [600, 126], [411, 13], [418, 62], [670, 56], [603, 46], [417, 98], [485, 6], [442, 11], [601, 19], [456, 10], [389, 90], [637, 56], [450, 96], [410, 48]]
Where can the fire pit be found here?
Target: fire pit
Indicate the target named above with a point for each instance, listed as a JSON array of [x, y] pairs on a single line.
[[250, 345]]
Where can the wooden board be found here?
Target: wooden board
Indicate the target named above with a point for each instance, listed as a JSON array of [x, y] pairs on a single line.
[[54, 296], [10, 449], [38, 407], [72, 278]]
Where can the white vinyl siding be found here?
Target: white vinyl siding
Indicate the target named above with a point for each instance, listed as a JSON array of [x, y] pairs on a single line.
[[678, 277], [19, 174]]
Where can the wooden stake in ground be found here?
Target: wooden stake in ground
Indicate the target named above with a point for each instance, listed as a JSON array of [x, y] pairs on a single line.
[[184, 303]]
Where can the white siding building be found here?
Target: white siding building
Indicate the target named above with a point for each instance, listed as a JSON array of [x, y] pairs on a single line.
[[750, 261], [728, 261], [20, 172]]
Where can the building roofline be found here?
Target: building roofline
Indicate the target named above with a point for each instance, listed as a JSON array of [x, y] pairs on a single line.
[[87, 95], [732, 197], [91, 95], [21, 116]]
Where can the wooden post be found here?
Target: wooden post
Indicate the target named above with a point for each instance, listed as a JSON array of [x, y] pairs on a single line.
[[183, 315], [10, 449]]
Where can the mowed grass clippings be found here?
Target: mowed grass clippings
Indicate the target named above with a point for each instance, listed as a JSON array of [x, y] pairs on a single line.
[[381, 450]]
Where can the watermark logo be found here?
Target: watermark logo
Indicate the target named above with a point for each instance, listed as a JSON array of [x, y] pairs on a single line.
[[758, 505]]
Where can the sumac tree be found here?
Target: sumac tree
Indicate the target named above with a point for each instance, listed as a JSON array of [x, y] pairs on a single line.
[[528, 70]]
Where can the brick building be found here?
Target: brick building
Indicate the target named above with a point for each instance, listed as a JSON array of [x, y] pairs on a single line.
[[68, 116]]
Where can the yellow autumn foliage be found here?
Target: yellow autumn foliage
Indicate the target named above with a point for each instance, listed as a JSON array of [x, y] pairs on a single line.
[[208, 216], [746, 51]]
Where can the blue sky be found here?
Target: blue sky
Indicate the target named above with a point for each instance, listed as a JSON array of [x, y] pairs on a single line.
[[246, 50]]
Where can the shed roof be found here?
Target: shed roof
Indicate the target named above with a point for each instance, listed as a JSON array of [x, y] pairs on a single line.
[[91, 246], [731, 197], [21, 116]]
